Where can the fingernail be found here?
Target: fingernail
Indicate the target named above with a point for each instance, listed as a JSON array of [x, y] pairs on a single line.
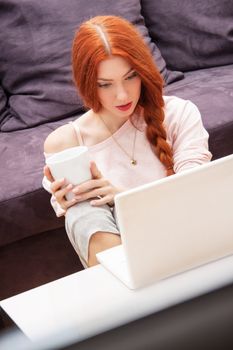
[[76, 190], [69, 187], [93, 202]]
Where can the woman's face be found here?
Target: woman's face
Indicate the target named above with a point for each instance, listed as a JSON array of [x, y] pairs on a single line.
[[119, 87]]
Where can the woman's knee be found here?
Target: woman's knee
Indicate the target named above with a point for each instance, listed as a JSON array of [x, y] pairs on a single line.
[[100, 241]]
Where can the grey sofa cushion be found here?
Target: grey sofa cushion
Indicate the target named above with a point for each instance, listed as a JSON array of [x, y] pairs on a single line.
[[211, 90], [191, 34], [25, 207], [35, 60]]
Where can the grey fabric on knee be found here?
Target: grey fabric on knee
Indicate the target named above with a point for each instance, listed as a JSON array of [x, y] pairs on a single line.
[[83, 220]]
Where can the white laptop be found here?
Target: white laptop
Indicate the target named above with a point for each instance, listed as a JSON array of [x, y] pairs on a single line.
[[174, 224]]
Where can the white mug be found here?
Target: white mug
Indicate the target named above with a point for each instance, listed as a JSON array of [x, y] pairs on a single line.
[[73, 164]]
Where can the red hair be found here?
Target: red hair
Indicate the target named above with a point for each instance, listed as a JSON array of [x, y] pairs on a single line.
[[98, 39]]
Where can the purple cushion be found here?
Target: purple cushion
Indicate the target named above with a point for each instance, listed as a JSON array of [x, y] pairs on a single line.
[[191, 34], [25, 208], [211, 90], [35, 60]]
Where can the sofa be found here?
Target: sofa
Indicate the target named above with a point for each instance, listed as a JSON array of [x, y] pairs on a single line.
[[192, 45]]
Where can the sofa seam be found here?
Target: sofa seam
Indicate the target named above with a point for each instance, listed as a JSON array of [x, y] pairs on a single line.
[[18, 196]]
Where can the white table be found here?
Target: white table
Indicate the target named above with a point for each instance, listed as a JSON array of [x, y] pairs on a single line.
[[93, 300]]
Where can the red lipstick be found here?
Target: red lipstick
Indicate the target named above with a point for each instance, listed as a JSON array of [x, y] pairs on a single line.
[[124, 107]]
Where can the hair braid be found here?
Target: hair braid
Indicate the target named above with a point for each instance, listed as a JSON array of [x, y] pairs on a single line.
[[156, 135]]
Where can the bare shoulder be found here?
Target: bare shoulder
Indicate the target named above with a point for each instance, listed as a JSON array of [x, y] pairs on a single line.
[[90, 128], [60, 139]]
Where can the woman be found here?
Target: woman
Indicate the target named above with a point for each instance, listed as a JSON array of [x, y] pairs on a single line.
[[134, 134]]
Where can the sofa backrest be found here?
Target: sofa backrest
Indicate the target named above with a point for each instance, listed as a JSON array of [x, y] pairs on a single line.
[[191, 34], [35, 56]]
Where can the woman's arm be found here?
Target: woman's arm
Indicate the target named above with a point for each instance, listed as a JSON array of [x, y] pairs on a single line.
[[188, 137]]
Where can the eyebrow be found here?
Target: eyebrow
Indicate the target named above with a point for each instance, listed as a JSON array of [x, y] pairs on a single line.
[[129, 71]]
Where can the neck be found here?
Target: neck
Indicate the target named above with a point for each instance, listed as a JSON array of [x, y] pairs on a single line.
[[113, 124]]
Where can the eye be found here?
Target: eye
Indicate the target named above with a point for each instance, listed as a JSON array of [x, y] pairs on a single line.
[[131, 76], [104, 85]]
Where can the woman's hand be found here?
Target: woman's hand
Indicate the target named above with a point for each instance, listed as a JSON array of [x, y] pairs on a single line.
[[98, 188], [59, 189]]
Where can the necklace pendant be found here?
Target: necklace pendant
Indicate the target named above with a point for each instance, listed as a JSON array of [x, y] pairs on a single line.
[[133, 162]]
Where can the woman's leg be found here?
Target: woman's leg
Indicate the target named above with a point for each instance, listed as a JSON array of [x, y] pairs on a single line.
[[91, 230], [100, 241]]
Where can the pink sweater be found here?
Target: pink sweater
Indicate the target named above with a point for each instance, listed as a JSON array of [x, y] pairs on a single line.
[[185, 133]]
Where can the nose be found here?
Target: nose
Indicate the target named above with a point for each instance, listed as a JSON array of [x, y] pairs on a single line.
[[121, 93]]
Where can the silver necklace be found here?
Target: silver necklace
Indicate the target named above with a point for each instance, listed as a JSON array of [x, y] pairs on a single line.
[[133, 161]]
